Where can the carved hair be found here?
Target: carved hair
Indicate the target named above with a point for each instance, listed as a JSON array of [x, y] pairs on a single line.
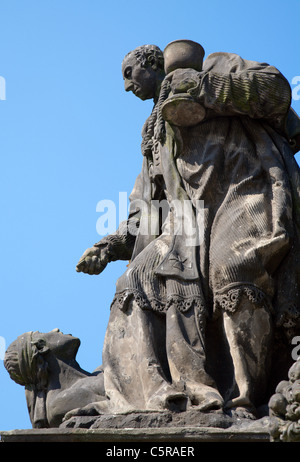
[[148, 55]]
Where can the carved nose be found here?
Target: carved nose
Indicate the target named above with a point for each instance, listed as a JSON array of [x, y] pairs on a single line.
[[128, 85]]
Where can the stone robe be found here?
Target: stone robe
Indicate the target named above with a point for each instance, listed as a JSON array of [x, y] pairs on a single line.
[[237, 171]]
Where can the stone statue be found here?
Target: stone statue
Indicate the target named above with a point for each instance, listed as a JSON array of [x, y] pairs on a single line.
[[285, 408], [45, 363], [203, 316]]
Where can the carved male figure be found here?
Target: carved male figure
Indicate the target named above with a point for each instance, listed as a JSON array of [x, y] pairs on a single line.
[[55, 384], [239, 161], [193, 320]]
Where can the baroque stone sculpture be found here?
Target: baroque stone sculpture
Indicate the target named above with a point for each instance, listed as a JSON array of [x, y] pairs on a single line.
[[203, 317], [285, 408], [45, 363]]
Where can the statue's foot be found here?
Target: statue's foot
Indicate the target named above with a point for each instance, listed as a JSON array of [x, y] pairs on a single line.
[[167, 398], [210, 403], [241, 400], [177, 402], [241, 407], [205, 398], [92, 409]]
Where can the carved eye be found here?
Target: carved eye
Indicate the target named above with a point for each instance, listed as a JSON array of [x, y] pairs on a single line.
[[127, 73]]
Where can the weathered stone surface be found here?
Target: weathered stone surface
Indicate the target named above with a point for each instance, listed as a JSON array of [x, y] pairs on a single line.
[[153, 420], [139, 435], [202, 319], [285, 408]]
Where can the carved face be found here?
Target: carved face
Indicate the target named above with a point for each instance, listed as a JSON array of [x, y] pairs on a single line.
[[142, 81], [62, 345]]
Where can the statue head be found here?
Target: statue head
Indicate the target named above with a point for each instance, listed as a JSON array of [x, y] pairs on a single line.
[[143, 71], [27, 355], [28, 361]]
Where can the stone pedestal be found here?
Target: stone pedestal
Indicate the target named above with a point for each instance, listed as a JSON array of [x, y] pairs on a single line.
[[177, 435], [164, 428]]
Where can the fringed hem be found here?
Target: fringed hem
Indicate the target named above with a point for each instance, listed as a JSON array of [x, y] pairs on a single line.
[[182, 304], [231, 298]]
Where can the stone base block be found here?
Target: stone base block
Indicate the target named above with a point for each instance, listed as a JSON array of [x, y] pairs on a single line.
[[186, 435], [148, 428]]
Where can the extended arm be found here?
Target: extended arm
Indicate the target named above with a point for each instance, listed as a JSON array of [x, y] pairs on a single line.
[[253, 93], [115, 246], [229, 85]]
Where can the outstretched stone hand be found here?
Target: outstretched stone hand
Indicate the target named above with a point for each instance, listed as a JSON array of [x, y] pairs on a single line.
[[94, 259]]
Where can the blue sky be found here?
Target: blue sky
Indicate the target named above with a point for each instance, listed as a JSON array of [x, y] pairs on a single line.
[[70, 137]]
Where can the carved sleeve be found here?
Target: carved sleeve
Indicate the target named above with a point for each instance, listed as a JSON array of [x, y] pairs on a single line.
[[121, 243], [254, 93]]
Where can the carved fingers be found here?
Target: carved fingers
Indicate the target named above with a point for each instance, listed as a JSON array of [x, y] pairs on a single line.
[[93, 261], [182, 80]]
